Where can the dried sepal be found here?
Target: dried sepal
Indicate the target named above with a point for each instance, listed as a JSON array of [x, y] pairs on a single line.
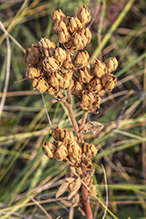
[[109, 81], [33, 55], [49, 149], [99, 68], [93, 127], [75, 188], [95, 85], [111, 64], [82, 60], [40, 84], [32, 72], [58, 15], [86, 164], [85, 75], [47, 47], [84, 14]]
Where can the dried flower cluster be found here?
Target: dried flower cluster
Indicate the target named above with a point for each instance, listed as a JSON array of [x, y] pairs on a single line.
[[54, 69]]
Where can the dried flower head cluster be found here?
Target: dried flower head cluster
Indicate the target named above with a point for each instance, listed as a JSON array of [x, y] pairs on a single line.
[[55, 69]]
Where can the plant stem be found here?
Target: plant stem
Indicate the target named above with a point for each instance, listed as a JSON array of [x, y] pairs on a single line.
[[86, 201]]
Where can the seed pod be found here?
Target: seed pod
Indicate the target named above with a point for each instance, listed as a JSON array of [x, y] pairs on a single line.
[[85, 75], [61, 152], [74, 152], [95, 85], [33, 55], [86, 164], [68, 63], [99, 68], [73, 24], [82, 59], [82, 39], [111, 64], [87, 101], [60, 134], [40, 84], [77, 90], [47, 47], [60, 54], [84, 14], [58, 15], [50, 64], [90, 150], [32, 72], [109, 81], [51, 90], [59, 26], [96, 104], [49, 149]]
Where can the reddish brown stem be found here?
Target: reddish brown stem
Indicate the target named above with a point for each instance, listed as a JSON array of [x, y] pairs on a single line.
[[87, 205]]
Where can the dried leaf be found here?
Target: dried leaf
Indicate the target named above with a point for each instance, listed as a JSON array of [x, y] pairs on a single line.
[[93, 127], [62, 189], [75, 188]]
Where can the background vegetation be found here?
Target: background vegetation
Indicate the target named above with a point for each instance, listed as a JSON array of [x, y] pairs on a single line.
[[28, 179]]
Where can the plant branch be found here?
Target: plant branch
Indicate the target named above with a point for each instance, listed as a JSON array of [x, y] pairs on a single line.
[[86, 201]]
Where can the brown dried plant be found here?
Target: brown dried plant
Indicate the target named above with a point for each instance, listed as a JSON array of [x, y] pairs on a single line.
[[54, 69]]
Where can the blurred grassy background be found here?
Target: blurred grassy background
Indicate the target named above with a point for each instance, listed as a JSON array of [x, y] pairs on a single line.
[[29, 180]]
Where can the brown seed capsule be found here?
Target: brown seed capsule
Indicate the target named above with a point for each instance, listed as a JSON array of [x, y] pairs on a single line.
[[77, 90], [96, 104], [32, 72], [85, 75], [60, 134], [109, 81], [71, 24], [99, 68], [82, 59], [58, 15], [60, 55], [33, 55], [87, 101], [49, 149], [47, 47], [68, 63], [40, 84], [84, 14], [50, 64], [111, 64], [61, 152], [95, 85], [90, 150], [59, 26], [86, 164], [74, 152]]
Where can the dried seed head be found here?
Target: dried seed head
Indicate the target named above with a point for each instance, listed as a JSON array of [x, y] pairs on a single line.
[[77, 90], [86, 164], [82, 59], [84, 14], [74, 152], [95, 85], [111, 64], [60, 55], [68, 63], [32, 72], [85, 75], [60, 134], [61, 152], [50, 64], [82, 39], [99, 68], [58, 15], [59, 26], [40, 84], [49, 149], [87, 101], [109, 81], [33, 55], [90, 150], [73, 24], [47, 47]]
